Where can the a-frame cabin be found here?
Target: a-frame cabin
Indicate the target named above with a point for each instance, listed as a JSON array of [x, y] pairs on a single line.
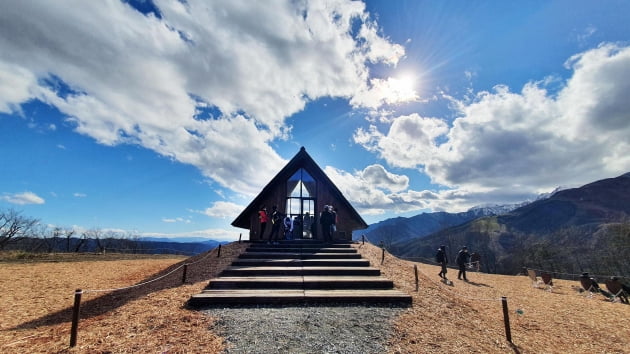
[[301, 190]]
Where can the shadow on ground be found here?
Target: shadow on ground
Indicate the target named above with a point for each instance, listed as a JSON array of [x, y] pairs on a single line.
[[208, 266]]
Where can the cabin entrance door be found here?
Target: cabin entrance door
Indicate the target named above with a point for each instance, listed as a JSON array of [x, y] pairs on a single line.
[[301, 201]]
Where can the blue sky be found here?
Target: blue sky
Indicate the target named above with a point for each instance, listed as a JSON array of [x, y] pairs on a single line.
[[166, 118]]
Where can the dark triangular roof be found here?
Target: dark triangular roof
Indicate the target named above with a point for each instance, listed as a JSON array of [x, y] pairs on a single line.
[[301, 160]]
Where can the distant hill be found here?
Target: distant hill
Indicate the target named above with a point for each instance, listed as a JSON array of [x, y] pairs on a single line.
[[397, 230], [594, 203], [574, 230], [116, 245]]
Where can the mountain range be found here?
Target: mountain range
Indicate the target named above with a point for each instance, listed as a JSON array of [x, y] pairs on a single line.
[[570, 230]]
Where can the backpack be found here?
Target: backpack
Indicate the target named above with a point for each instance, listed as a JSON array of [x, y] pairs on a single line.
[[439, 256], [275, 217]]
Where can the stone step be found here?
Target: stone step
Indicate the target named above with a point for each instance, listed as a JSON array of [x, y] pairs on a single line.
[[299, 271], [276, 249], [298, 255], [304, 245], [288, 296], [294, 262], [301, 282], [240, 271]]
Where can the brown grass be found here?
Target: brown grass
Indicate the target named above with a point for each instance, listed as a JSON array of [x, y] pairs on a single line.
[[37, 298], [468, 317]]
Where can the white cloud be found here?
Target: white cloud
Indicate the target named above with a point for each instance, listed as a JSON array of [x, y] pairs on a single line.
[[505, 146], [375, 190], [586, 34], [23, 198], [409, 142], [79, 195], [176, 220], [150, 81], [222, 209], [378, 176], [213, 234], [16, 86]]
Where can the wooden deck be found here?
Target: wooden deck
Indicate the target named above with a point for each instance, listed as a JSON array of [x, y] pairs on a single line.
[[300, 271]]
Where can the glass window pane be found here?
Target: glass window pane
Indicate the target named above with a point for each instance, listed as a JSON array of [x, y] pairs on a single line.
[[308, 183], [294, 185]]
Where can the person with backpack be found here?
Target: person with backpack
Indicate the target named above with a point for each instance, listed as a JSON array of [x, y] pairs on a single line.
[[276, 222], [264, 218], [463, 258], [442, 259]]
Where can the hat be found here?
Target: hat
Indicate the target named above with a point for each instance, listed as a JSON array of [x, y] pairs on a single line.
[[464, 247]]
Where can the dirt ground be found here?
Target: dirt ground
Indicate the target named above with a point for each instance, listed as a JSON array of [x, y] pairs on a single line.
[[36, 309], [467, 317]]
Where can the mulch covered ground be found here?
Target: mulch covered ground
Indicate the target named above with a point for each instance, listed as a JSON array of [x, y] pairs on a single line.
[[36, 300], [467, 317]]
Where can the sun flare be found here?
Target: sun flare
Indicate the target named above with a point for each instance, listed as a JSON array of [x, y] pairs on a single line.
[[400, 89]]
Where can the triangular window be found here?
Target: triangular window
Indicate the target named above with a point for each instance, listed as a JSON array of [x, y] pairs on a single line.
[[301, 185]]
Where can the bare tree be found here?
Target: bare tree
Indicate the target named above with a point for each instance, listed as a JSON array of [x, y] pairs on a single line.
[[81, 241], [14, 226], [68, 233]]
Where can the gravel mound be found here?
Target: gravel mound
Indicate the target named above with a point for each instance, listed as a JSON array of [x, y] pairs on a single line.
[[305, 329]]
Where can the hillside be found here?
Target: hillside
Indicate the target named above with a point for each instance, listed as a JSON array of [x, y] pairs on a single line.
[[588, 221], [401, 229], [462, 318]]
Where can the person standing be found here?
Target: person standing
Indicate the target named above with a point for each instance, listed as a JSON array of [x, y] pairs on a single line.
[[326, 221], [442, 259], [264, 218], [306, 226], [276, 222], [462, 259], [288, 227], [297, 227], [333, 226]]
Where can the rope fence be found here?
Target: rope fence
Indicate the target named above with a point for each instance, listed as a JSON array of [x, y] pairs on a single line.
[[474, 265], [79, 292], [145, 250]]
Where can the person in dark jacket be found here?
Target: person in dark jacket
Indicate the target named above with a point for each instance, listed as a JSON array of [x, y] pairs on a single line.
[[326, 221], [593, 286], [625, 290], [276, 222], [462, 259], [442, 259]]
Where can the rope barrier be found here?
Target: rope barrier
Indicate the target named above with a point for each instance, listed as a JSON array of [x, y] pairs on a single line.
[[502, 299], [570, 275], [133, 286], [79, 292], [439, 284], [148, 281], [577, 275], [151, 249]]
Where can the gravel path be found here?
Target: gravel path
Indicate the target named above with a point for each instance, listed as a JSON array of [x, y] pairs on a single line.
[[305, 329]]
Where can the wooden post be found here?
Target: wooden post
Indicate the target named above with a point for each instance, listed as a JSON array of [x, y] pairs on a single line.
[[506, 319], [184, 275], [219, 252], [239, 237], [383, 253], [75, 317], [363, 239], [415, 270]]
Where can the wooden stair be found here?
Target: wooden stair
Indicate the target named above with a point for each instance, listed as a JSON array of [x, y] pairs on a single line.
[[299, 271]]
